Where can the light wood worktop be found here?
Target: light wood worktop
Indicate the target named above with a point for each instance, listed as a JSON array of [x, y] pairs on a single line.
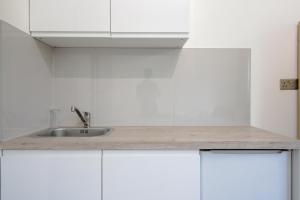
[[238, 137]]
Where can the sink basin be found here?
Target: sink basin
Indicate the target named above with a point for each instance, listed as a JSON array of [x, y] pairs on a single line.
[[74, 132]]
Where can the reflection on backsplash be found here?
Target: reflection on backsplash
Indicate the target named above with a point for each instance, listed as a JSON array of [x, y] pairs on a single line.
[[153, 86], [148, 93]]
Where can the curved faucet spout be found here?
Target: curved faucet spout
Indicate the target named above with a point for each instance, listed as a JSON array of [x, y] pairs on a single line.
[[84, 118]]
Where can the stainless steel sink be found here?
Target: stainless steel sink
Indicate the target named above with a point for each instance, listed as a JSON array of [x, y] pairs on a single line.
[[74, 132]]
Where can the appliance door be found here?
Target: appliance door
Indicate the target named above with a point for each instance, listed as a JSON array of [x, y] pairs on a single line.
[[246, 175]]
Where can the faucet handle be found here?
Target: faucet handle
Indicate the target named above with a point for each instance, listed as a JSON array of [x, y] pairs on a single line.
[[73, 108], [87, 116]]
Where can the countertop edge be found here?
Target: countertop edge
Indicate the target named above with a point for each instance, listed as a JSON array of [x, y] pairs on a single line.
[[163, 138]]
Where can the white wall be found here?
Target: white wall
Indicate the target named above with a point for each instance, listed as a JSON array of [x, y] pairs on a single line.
[[15, 12], [25, 83], [269, 28]]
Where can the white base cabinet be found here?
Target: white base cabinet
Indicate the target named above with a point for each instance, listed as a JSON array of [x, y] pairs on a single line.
[[149, 175], [145, 175], [51, 175], [242, 175]]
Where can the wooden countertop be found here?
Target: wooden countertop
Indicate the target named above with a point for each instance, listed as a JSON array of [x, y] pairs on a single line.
[[230, 137]]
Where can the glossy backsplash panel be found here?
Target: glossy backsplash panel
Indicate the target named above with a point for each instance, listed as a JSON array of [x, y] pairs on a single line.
[[25, 83], [153, 86]]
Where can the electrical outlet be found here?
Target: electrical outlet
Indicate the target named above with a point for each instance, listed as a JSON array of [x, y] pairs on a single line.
[[289, 84]]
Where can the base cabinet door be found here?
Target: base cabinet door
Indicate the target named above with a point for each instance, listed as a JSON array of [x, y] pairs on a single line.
[[51, 175], [149, 175], [242, 175]]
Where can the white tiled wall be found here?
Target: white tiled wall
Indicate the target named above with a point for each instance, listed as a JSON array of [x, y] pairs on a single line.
[[153, 86], [25, 83]]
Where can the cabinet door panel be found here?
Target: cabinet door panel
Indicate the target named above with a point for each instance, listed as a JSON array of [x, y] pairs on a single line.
[[51, 175], [70, 15], [148, 175], [245, 176], [150, 16]]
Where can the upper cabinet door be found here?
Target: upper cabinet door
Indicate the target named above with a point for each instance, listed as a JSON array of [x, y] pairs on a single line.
[[70, 16], [150, 16]]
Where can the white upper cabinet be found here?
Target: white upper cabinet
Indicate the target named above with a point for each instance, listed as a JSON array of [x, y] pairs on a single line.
[[110, 23], [70, 18], [150, 17]]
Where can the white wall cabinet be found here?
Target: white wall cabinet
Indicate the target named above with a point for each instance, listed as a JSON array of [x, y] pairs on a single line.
[[51, 175], [150, 17], [148, 175], [233, 175], [70, 18], [110, 23]]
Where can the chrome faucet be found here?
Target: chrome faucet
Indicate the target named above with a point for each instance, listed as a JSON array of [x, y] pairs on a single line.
[[85, 117]]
